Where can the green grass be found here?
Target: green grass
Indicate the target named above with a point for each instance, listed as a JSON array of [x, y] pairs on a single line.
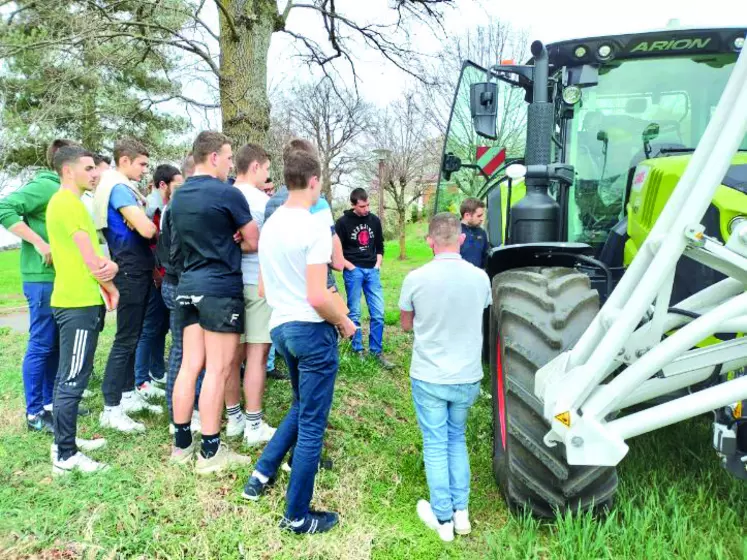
[[11, 294], [674, 500]]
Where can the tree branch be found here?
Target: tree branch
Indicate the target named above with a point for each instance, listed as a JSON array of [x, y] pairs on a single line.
[[229, 20]]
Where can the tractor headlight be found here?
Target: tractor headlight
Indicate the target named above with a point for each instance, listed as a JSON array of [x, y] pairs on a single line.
[[580, 51], [735, 222], [572, 95], [739, 43], [604, 51]]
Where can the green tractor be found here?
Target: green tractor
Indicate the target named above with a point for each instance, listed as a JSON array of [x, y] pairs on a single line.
[[623, 185]]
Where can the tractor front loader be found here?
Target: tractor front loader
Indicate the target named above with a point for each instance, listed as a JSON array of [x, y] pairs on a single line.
[[631, 193]]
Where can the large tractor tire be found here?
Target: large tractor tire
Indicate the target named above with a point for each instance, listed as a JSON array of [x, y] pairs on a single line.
[[538, 313]]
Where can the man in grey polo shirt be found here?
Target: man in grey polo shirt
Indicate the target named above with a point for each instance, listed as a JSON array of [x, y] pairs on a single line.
[[443, 302]]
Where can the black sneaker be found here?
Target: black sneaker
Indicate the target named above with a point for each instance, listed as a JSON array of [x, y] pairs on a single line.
[[83, 411], [254, 488], [383, 362], [314, 522], [41, 422], [279, 375]]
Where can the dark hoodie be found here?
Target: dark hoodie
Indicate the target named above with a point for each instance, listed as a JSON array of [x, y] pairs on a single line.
[[361, 237]]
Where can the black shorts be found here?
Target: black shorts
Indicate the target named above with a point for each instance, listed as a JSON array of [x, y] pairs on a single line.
[[214, 314]]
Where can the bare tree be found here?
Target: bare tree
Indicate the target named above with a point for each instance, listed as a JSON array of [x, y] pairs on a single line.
[[334, 123], [234, 56], [403, 130]]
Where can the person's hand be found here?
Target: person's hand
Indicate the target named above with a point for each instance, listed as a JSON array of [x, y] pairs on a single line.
[[45, 251], [377, 267], [113, 299], [347, 328], [349, 265], [238, 238], [107, 271]]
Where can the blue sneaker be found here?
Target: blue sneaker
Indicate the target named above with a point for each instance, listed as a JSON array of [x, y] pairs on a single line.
[[254, 488], [314, 522], [41, 422]]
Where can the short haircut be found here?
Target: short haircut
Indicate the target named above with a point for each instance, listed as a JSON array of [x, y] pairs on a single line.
[[206, 143], [470, 206], [98, 159], [188, 165], [445, 229], [247, 154], [298, 144], [358, 195], [67, 155], [130, 148], [300, 166], [165, 173], [56, 145]]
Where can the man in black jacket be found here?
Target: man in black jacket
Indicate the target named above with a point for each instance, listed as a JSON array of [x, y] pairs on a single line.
[[363, 248]]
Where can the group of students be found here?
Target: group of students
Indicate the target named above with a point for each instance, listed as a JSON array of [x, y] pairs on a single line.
[[236, 283]]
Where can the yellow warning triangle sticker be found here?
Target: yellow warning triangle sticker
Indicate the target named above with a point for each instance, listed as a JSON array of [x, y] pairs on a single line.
[[564, 418]]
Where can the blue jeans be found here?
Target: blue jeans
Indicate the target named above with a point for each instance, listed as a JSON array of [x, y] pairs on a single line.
[[271, 359], [149, 355], [168, 291], [43, 350], [441, 411], [310, 350], [368, 282]]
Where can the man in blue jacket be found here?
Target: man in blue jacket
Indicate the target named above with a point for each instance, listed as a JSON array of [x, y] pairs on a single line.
[[475, 247]]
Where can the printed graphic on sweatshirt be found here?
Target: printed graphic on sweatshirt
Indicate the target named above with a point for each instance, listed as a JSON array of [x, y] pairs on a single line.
[[363, 235]]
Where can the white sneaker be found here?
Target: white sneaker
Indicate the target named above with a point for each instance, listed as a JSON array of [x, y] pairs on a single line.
[[132, 402], [149, 391], [77, 462], [159, 380], [116, 419], [462, 525], [82, 444], [87, 394], [261, 435], [195, 426], [235, 427], [426, 515]]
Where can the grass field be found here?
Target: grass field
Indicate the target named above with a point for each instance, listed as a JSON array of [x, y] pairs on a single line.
[[11, 293], [674, 500]]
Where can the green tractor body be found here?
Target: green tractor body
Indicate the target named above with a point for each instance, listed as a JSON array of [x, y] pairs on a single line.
[[606, 129]]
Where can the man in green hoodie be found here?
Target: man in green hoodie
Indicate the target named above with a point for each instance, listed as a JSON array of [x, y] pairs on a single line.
[[23, 213]]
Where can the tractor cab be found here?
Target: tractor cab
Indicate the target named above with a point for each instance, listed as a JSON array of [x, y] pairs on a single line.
[[620, 118]]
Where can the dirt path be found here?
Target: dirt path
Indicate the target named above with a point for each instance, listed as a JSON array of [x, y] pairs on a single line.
[[17, 321]]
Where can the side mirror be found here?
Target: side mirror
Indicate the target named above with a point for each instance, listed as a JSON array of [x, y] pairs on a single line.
[[483, 99], [516, 171], [450, 164], [651, 132]]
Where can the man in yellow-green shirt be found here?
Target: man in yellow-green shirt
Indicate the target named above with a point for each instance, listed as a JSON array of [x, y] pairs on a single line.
[[82, 286]]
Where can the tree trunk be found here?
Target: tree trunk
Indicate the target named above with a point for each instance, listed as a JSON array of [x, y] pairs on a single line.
[[402, 214], [244, 42], [327, 181]]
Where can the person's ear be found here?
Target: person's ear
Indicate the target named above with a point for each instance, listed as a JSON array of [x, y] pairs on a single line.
[[462, 237], [431, 243]]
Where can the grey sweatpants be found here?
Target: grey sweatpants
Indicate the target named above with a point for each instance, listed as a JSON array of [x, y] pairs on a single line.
[[79, 333]]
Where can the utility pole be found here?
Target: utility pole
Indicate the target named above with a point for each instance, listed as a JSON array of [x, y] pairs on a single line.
[[382, 155]]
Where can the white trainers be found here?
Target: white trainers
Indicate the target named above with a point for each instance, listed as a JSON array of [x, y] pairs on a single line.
[[462, 525], [149, 391], [159, 380], [194, 427], [261, 435], [224, 459], [87, 394], [235, 427], [82, 444], [77, 462], [426, 515], [116, 419], [132, 402]]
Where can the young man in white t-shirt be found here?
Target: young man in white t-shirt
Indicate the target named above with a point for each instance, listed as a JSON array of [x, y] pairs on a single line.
[[294, 251], [443, 302], [252, 169]]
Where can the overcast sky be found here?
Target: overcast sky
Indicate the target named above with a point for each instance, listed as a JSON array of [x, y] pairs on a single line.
[[546, 20]]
